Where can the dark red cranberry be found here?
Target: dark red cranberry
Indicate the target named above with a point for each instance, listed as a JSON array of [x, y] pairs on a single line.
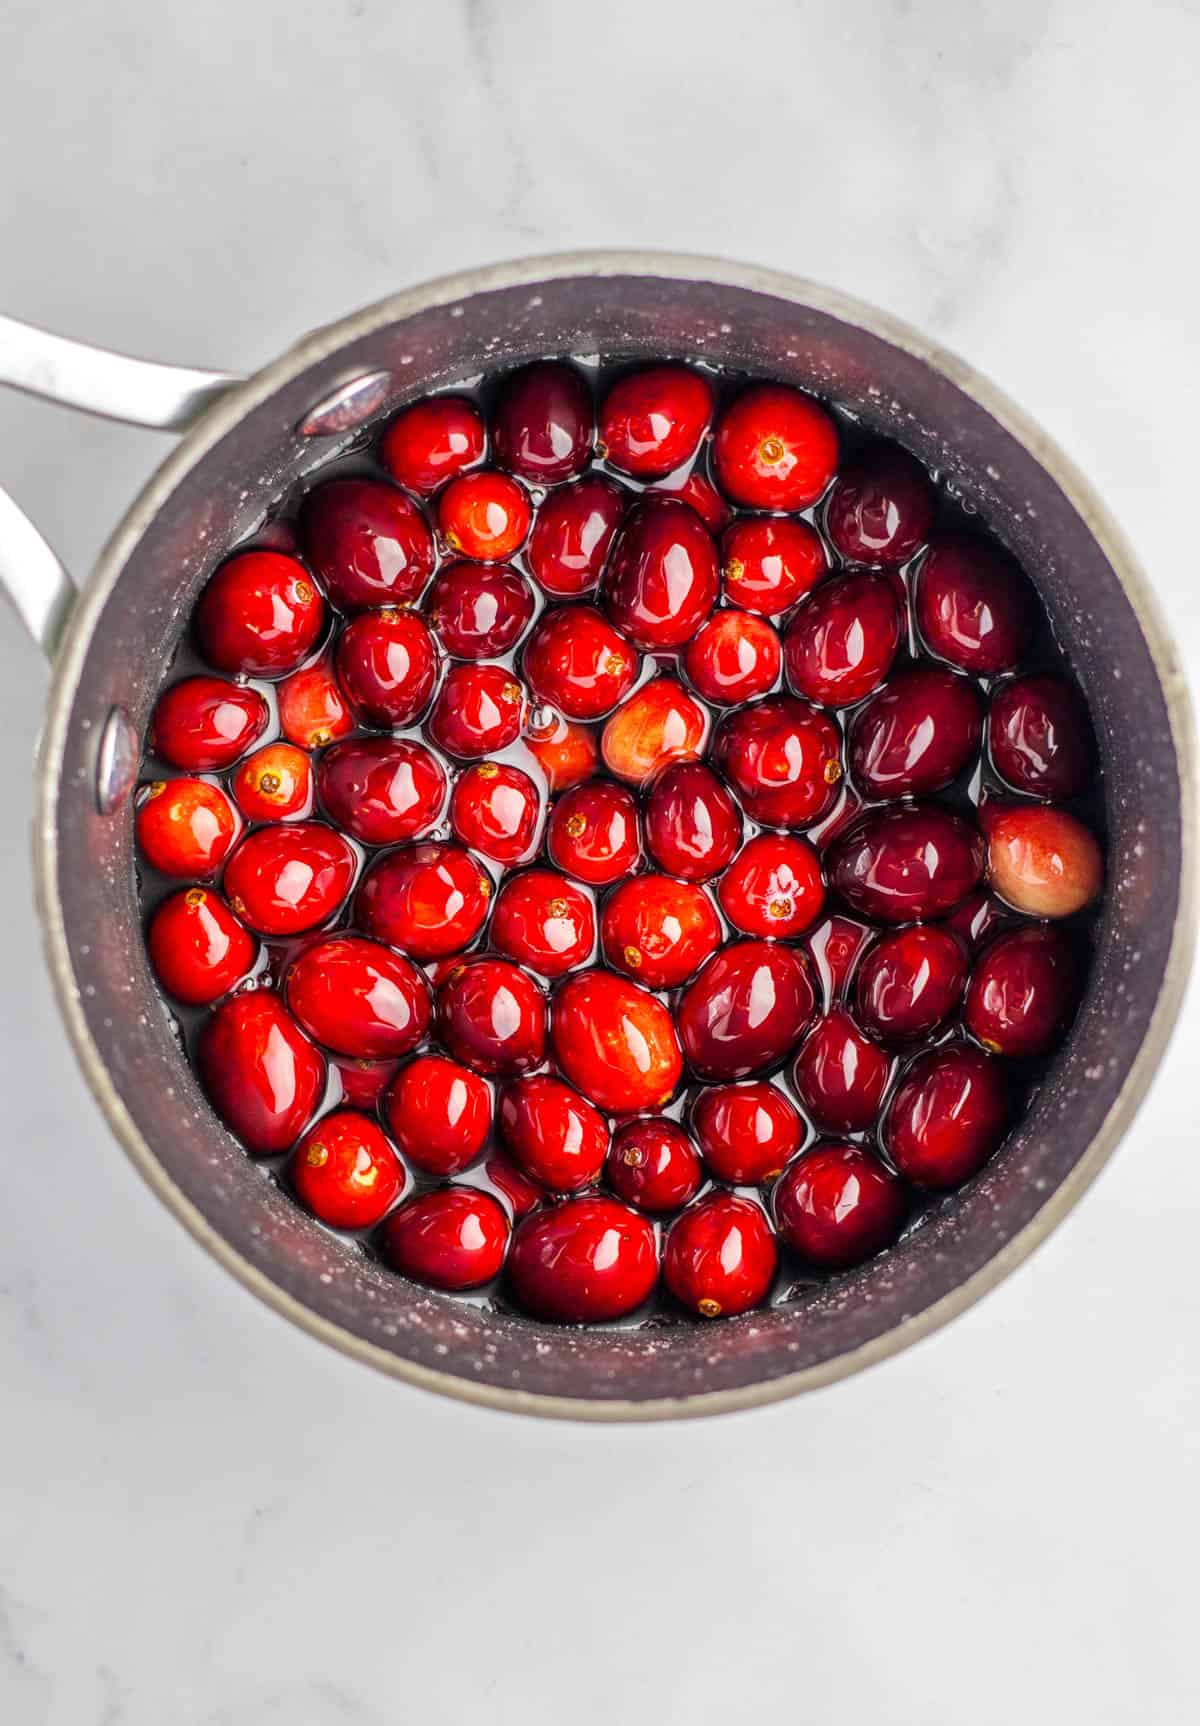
[[1040, 737], [748, 1007], [769, 562], [841, 643], [904, 865], [720, 1256], [260, 1072], [542, 422], [362, 1082], [584, 1261], [567, 754], [479, 711], [312, 708], [977, 919], [359, 998], [652, 420], [283, 880], [881, 507], [578, 662], [699, 494], [439, 1113], [734, 658], [519, 1193], [592, 833], [834, 947], [204, 723], [973, 606], [185, 827], [571, 535], [783, 759], [274, 784], [369, 543], [774, 448], [260, 614], [615, 1043], [659, 931], [693, 828], [345, 1171], [544, 921], [382, 790], [656, 725], [492, 1017], [431, 441], [1022, 992], [198, 948], [654, 1165], [746, 1132], [479, 612], [552, 1133], [841, 1075], [1043, 861], [774, 888], [495, 810], [910, 983], [484, 515], [453, 1238], [387, 665], [838, 1205], [948, 1115], [916, 734], [661, 580], [429, 900]]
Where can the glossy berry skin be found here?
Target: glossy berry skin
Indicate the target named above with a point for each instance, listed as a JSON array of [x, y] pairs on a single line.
[[359, 998], [260, 614], [973, 606], [578, 662], [652, 420], [387, 664], [494, 809], [699, 494], [774, 448], [431, 441], [592, 833], [774, 887], [662, 580], [782, 759], [484, 515], [198, 948], [439, 1113], [312, 708], [274, 784], [260, 1072], [746, 1010], [1039, 736], [840, 645], [566, 753], [185, 827], [834, 947], [363, 1082], [693, 828], [517, 1191], [369, 544], [202, 724], [479, 711], [1023, 991], [654, 1165], [659, 931], [916, 734], [283, 880], [1043, 861], [479, 611], [841, 1075], [746, 1133], [552, 1134], [658, 724], [572, 533], [837, 1205], [382, 790], [453, 1238], [735, 657], [881, 507], [906, 864], [720, 1256], [345, 1172], [948, 1115], [429, 900], [492, 1017], [586, 1261], [544, 921], [615, 1043], [910, 983], [977, 919], [768, 563], [542, 422]]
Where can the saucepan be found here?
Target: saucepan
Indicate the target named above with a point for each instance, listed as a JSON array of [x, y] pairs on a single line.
[[246, 443]]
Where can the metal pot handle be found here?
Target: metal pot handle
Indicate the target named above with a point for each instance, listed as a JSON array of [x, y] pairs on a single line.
[[97, 381]]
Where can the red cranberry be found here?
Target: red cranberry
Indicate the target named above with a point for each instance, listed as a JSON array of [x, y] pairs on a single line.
[[362, 1082], [479, 613], [693, 828], [652, 420], [571, 535], [519, 1193], [881, 507], [774, 887], [783, 759], [746, 1132], [577, 661], [658, 724], [484, 515], [1043, 861], [841, 643], [345, 1171], [439, 1113], [699, 494], [274, 784], [495, 810], [841, 1075], [910, 983], [977, 919], [917, 734], [492, 1017], [431, 441], [260, 1072], [185, 827], [382, 790], [260, 614], [567, 754], [312, 709], [584, 1261], [1039, 736], [770, 562], [775, 448], [198, 948], [542, 422], [369, 543], [283, 880], [479, 711], [615, 1043], [429, 900], [834, 946], [659, 931], [904, 865], [653, 1164], [720, 1256], [544, 921], [592, 833], [387, 664], [746, 1010], [552, 1134], [734, 657], [359, 998], [205, 723], [973, 606], [948, 1115], [1022, 992], [661, 580], [838, 1205], [452, 1239]]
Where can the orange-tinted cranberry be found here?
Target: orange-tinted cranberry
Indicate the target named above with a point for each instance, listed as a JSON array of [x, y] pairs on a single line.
[[1040, 736], [363, 1082], [973, 606], [734, 657], [1023, 990], [841, 643], [774, 886], [659, 931], [948, 1115], [204, 723], [260, 1072], [584, 1261], [658, 724], [782, 758], [198, 948], [495, 810], [345, 1172], [746, 1133], [910, 983], [484, 515], [312, 708], [429, 900], [439, 1113], [652, 420], [661, 580], [479, 611], [382, 790], [841, 1075], [654, 1165], [453, 1238], [699, 494], [838, 1205], [567, 754], [359, 998], [387, 664], [770, 562], [774, 448], [260, 614], [431, 441], [592, 833], [519, 1193], [1043, 861], [881, 507], [552, 1133], [906, 864], [185, 827], [720, 1256], [571, 535], [916, 734], [492, 1017], [748, 1007], [479, 711], [369, 543], [544, 921], [693, 827], [578, 662], [834, 947], [283, 880], [615, 1042], [274, 784], [542, 422]]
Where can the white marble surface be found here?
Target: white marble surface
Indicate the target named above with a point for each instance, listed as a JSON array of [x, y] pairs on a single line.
[[206, 1518]]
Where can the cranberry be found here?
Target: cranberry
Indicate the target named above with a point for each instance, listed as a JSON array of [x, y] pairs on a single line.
[[917, 734], [1043, 861], [345, 1171], [586, 1260], [198, 948], [904, 865], [774, 887], [747, 1008], [359, 998], [720, 1256], [495, 810], [1039, 736], [544, 921], [387, 664], [770, 562], [658, 724], [841, 1075], [775, 448], [519, 1193], [312, 709], [1022, 992], [261, 1073], [840, 645], [567, 754], [881, 507], [746, 1132], [552, 1134], [259, 614], [542, 422], [948, 1115], [185, 827], [204, 723], [362, 1082], [592, 833], [382, 790], [439, 1113], [837, 1205], [479, 711], [452, 1239], [783, 759], [492, 1017], [369, 543], [572, 533], [693, 828], [973, 606], [834, 946], [699, 494], [910, 983], [484, 515], [577, 661], [977, 919], [615, 1043], [429, 900], [283, 880], [658, 930], [274, 784], [479, 612], [431, 441], [652, 420], [654, 1165], [734, 657], [661, 580]]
